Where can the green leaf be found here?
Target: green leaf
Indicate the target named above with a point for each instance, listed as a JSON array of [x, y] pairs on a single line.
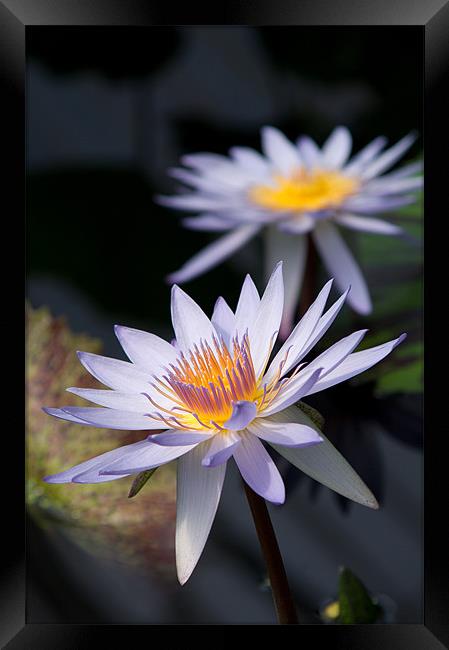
[[356, 604], [140, 481], [313, 414]]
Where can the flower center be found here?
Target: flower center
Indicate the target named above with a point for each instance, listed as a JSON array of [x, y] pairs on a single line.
[[204, 384], [304, 190]]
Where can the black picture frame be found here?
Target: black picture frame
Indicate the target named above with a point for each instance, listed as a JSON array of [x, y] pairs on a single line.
[[16, 16]]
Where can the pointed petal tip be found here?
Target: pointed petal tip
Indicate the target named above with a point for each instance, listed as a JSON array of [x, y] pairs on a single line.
[[400, 339]]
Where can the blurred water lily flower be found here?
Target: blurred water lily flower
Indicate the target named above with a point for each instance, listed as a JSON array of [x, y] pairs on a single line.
[[216, 396], [294, 189]]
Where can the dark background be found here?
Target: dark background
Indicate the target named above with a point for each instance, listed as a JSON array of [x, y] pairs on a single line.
[[109, 110]]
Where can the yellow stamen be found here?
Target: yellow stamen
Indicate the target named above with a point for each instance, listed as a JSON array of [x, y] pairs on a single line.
[[305, 190]]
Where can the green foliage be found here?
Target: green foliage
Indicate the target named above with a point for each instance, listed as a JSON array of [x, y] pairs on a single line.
[[313, 414], [356, 604], [139, 482]]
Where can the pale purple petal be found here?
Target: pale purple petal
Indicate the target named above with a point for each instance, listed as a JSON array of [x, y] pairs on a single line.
[[309, 151], [247, 306], [292, 351], [115, 399], [251, 160], [368, 224], [221, 448], [214, 253], [258, 469], [198, 495], [325, 464], [119, 375], [203, 161], [89, 469], [61, 415], [209, 222], [389, 157], [356, 363], [370, 204], [265, 327], [294, 390], [385, 185], [146, 350], [289, 434], [223, 319], [365, 156], [298, 225], [337, 148], [293, 252], [243, 412], [282, 153], [176, 438], [190, 323], [195, 201], [334, 355], [139, 460], [113, 419], [342, 266], [323, 325]]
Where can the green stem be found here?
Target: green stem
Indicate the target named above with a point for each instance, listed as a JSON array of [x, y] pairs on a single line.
[[280, 589]]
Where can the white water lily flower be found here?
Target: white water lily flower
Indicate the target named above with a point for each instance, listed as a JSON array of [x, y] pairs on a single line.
[[294, 189], [217, 396]]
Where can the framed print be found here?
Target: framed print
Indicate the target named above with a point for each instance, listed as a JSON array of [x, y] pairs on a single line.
[[224, 321]]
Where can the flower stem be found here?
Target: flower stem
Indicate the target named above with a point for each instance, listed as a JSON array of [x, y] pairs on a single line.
[[283, 601], [308, 288]]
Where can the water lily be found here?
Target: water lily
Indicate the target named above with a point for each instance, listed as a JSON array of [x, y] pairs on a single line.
[[289, 191], [215, 394]]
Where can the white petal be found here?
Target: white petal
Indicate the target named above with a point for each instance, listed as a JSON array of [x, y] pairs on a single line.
[[88, 471], [365, 156], [294, 390], [289, 434], [309, 151], [366, 204], [323, 325], [247, 306], [251, 160], [325, 464], [115, 399], [61, 415], [146, 350], [334, 355], [214, 253], [119, 375], [337, 148], [258, 469], [283, 154], [262, 333], [298, 225], [113, 419], [196, 201], [189, 321], [203, 161], [176, 438], [356, 363], [298, 339], [221, 448], [223, 319], [149, 456], [368, 224], [389, 157], [342, 266], [209, 222], [243, 412], [386, 186], [198, 495], [293, 252]]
